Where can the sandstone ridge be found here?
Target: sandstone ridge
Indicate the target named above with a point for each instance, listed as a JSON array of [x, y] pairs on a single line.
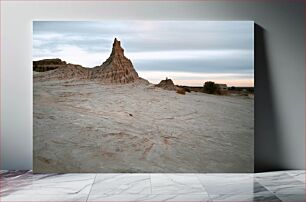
[[48, 64], [117, 69]]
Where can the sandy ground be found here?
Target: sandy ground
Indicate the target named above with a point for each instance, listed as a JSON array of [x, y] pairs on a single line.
[[89, 127]]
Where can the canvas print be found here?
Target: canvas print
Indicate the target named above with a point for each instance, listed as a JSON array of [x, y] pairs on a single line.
[[143, 96]]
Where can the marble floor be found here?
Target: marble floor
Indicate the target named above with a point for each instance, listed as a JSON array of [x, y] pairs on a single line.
[[272, 186]]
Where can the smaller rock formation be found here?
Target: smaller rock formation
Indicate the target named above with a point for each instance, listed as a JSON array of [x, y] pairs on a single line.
[[48, 64], [166, 84], [68, 71], [180, 91]]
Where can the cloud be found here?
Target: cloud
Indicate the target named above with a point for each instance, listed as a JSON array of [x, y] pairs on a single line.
[[192, 54], [73, 54], [158, 35]]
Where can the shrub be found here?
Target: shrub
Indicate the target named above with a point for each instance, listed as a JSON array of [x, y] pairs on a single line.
[[232, 88], [187, 90], [181, 91], [210, 87]]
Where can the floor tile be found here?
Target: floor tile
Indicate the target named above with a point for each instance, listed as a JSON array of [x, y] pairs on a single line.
[[175, 184], [269, 174], [236, 184], [48, 184], [121, 184], [12, 173], [230, 197], [281, 183], [12, 181], [291, 197], [245, 198], [43, 198], [260, 189], [179, 198], [150, 198], [265, 198], [298, 175], [286, 186]]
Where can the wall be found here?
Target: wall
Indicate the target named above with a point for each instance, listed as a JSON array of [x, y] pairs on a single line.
[[279, 74]]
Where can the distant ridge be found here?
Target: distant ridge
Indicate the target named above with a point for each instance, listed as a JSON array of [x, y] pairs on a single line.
[[48, 64], [117, 69]]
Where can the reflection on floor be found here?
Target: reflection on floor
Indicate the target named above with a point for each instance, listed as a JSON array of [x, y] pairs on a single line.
[[272, 186]]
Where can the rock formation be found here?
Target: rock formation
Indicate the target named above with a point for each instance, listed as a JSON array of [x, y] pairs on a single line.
[[69, 72], [166, 84], [48, 64], [117, 68]]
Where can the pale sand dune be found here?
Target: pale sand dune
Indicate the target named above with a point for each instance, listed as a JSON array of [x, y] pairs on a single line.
[[89, 127]]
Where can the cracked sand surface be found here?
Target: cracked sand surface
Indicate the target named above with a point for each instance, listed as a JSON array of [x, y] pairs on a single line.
[[88, 127]]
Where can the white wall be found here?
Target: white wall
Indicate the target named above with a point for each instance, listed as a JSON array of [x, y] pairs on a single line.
[[280, 89]]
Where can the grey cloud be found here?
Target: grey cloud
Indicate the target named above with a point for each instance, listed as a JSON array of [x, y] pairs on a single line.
[[156, 35], [141, 36], [202, 66]]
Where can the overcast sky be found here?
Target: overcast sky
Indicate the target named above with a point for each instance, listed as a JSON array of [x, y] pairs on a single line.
[[189, 52]]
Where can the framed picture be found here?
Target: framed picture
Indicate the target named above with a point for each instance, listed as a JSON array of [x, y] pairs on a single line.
[[143, 96]]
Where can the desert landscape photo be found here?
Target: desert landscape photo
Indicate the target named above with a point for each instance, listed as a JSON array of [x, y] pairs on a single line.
[[143, 96]]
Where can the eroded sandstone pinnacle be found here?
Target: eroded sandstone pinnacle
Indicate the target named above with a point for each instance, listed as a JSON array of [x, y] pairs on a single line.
[[117, 49], [117, 68]]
